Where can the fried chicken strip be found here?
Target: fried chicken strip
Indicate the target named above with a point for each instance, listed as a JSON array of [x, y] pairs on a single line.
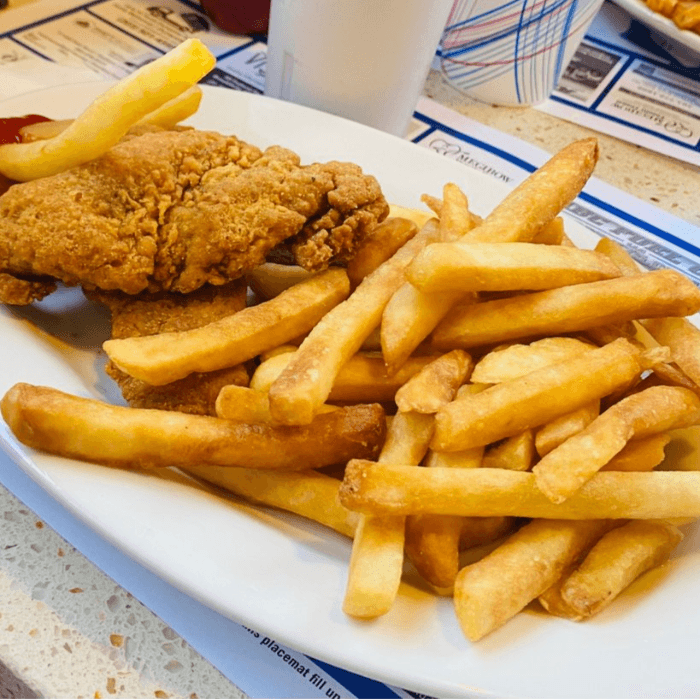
[[148, 314], [174, 210]]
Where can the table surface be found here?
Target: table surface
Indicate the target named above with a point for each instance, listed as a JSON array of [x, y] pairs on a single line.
[[68, 630]]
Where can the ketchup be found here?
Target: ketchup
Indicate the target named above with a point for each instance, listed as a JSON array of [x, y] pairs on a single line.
[[9, 133], [10, 126]]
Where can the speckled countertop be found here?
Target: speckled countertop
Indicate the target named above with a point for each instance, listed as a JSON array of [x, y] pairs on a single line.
[[68, 630]]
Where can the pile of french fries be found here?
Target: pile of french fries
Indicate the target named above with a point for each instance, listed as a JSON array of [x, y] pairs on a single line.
[[476, 385]]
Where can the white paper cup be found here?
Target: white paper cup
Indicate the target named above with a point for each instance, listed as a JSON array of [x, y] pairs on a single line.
[[366, 60], [512, 53]]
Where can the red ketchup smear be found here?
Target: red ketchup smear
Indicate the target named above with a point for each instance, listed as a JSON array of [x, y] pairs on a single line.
[[10, 133]]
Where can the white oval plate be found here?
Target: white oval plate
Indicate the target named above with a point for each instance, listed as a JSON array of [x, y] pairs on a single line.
[[662, 25], [286, 578]]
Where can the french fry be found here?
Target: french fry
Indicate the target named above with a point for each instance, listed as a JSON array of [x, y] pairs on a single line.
[[385, 240], [640, 454], [555, 432], [394, 489], [410, 315], [568, 309], [677, 333], [474, 267], [565, 469], [516, 452], [247, 405], [86, 429], [536, 398], [307, 380], [433, 543], [435, 384], [377, 558], [165, 357], [111, 115], [166, 116], [512, 361], [376, 563], [491, 591], [683, 338], [310, 494], [552, 233], [621, 556], [363, 375], [419, 217], [624, 261], [541, 197], [176, 109]]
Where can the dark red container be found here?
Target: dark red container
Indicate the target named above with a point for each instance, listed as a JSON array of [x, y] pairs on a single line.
[[239, 16]]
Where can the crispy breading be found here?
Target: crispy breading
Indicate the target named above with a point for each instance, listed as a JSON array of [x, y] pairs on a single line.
[[174, 210], [147, 314]]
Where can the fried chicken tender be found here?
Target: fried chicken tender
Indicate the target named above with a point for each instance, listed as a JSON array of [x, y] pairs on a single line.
[[148, 314], [174, 210]]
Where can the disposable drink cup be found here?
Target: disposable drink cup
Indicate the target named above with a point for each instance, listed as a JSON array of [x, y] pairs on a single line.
[[512, 53], [366, 60]]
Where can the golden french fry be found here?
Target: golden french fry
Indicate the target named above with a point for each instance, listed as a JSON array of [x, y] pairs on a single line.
[[516, 452], [640, 454], [166, 116], [600, 335], [385, 240], [111, 115], [394, 489], [552, 233], [567, 309], [377, 558], [436, 383], [474, 267], [307, 380], [433, 543], [419, 217], [621, 556], [555, 432], [241, 403], [491, 591], [565, 469], [541, 197], [271, 279], [676, 333], [683, 338], [364, 374], [165, 357], [410, 315], [536, 398], [455, 217], [512, 361], [310, 494], [624, 261], [376, 563], [93, 431], [433, 203], [175, 110]]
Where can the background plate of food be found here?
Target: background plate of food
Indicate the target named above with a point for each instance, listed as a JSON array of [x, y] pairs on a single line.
[[676, 34]]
